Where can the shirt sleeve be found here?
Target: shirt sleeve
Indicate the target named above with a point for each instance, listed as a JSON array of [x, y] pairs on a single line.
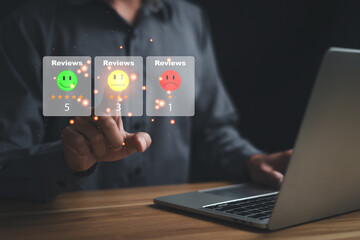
[[29, 168], [219, 150]]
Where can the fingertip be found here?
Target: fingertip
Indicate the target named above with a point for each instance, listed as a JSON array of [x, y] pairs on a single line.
[[142, 145], [147, 139], [143, 141], [276, 178]]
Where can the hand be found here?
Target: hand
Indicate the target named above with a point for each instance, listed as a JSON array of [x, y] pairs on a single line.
[[88, 141], [269, 169]]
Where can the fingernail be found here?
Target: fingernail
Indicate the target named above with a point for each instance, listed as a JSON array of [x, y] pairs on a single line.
[[143, 144], [281, 180]]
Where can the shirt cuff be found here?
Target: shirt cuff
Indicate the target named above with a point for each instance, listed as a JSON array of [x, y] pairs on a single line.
[[87, 172], [38, 173]]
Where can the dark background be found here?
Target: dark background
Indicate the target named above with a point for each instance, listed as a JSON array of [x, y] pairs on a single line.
[[269, 52]]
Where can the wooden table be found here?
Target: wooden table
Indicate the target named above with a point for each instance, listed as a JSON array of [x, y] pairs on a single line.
[[131, 214]]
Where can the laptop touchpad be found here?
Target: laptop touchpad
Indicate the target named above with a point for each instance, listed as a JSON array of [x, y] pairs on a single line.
[[241, 190]]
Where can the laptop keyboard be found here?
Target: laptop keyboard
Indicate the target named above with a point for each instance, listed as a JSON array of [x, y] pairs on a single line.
[[258, 208]]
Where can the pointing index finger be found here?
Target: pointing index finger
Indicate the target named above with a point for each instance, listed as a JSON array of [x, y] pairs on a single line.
[[113, 131]]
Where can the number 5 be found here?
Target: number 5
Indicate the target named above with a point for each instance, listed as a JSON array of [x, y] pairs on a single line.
[[67, 108]]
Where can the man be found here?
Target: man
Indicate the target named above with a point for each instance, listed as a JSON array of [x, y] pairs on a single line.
[[35, 164]]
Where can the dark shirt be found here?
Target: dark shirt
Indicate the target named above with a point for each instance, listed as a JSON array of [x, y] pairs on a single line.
[[31, 159]]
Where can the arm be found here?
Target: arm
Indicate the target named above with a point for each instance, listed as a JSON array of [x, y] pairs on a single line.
[[36, 173], [29, 168]]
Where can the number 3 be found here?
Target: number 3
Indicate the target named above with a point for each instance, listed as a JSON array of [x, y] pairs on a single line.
[[118, 105]]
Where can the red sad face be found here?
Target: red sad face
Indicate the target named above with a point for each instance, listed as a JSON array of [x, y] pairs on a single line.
[[170, 80]]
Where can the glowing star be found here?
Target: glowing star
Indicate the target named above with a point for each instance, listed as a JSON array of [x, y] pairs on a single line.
[[143, 88], [88, 61], [53, 97], [66, 96], [108, 110], [118, 80], [96, 118], [157, 107], [84, 68], [168, 59], [67, 80], [85, 102], [86, 75], [130, 114], [133, 76], [98, 77], [78, 71], [168, 92], [151, 40], [152, 120], [72, 121], [109, 68], [172, 121], [119, 98], [121, 47], [111, 96], [96, 91], [54, 78], [157, 101], [79, 99], [73, 96], [162, 103], [123, 144], [60, 97]]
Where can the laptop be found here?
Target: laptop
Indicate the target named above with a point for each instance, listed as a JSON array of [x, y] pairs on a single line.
[[323, 175]]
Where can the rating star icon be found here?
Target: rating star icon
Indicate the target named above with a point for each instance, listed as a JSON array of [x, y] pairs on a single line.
[[170, 97], [66, 97]]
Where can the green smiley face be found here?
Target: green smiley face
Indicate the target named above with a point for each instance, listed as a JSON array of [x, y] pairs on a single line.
[[67, 80]]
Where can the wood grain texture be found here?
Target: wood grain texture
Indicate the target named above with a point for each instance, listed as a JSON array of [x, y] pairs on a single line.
[[131, 214]]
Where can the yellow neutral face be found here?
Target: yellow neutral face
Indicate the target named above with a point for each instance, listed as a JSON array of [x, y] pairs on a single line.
[[118, 80]]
